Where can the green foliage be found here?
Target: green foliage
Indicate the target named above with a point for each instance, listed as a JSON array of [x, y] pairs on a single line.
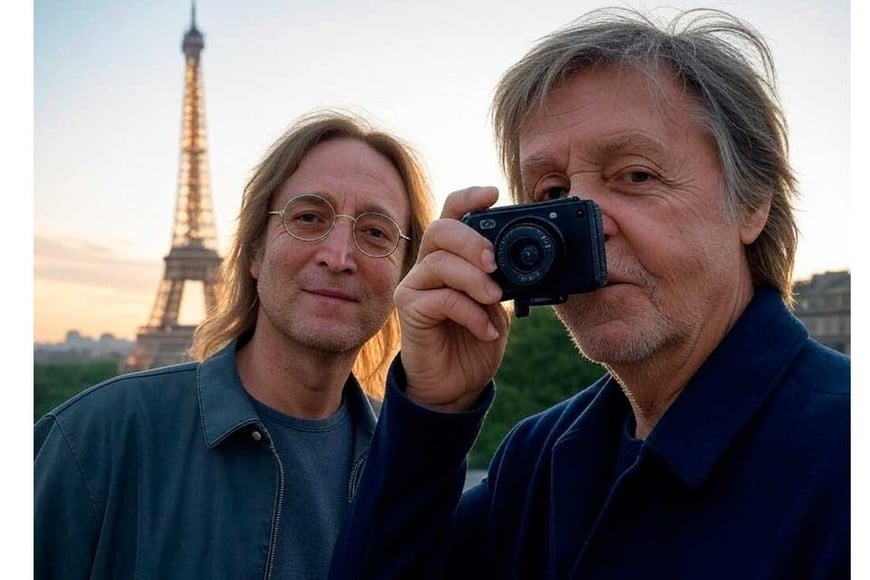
[[55, 383], [541, 368]]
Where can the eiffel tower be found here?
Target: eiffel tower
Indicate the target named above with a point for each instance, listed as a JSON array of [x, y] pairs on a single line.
[[193, 255]]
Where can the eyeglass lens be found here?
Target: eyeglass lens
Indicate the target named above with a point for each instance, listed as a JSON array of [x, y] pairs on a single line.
[[311, 218]]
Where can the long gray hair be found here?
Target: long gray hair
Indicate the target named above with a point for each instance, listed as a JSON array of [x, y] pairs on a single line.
[[237, 307], [724, 64]]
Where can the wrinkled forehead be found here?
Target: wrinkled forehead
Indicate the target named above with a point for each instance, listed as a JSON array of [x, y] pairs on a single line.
[[667, 94]]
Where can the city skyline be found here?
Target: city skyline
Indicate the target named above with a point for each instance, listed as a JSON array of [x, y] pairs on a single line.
[[108, 89], [74, 336]]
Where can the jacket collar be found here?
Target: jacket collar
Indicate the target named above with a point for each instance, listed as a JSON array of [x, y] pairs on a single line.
[[729, 388], [225, 406], [223, 402], [723, 396], [363, 409]]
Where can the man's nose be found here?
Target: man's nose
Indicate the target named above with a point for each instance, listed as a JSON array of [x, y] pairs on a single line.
[[338, 250]]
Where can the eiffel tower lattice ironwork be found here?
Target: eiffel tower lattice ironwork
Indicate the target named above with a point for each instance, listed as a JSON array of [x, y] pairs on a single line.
[[193, 255]]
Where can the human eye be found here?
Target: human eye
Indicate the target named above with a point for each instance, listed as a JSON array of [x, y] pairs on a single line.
[[634, 177], [549, 189], [308, 217], [555, 192], [376, 232], [308, 225], [637, 176]]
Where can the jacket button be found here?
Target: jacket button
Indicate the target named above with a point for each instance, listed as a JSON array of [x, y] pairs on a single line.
[[256, 436]]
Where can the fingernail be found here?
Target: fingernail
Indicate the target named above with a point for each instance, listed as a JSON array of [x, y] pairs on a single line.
[[488, 260], [491, 331]]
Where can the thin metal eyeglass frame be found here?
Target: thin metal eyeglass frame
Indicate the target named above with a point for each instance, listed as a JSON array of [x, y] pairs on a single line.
[[335, 217]]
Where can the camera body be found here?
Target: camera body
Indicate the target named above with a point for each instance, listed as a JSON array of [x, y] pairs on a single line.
[[544, 250]]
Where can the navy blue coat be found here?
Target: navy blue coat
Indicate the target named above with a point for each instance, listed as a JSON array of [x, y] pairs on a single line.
[[745, 476]]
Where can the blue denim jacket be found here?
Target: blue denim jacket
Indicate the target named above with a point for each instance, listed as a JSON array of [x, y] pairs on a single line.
[[167, 473]]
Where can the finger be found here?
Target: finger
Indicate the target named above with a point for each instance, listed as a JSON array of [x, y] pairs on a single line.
[[500, 318], [457, 238], [463, 201], [444, 269], [430, 308]]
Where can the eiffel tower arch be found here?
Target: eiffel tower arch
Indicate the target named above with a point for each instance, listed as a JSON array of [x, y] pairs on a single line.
[[193, 256]]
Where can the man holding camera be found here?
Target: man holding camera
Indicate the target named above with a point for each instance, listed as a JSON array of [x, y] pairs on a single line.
[[717, 445]]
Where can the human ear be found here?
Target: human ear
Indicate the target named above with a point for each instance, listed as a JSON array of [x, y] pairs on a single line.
[[753, 223], [256, 255]]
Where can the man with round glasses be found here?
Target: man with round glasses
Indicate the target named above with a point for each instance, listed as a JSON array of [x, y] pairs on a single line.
[[242, 464], [310, 217]]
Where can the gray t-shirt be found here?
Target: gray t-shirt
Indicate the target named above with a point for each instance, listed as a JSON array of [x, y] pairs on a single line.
[[316, 456]]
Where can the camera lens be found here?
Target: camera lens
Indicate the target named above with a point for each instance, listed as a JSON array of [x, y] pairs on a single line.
[[525, 253], [526, 256]]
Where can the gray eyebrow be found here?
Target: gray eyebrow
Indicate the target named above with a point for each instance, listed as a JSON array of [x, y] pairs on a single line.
[[634, 141], [637, 142]]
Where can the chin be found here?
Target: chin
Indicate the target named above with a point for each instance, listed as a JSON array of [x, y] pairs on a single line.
[[612, 335], [612, 353], [333, 336], [600, 344], [586, 314], [329, 344]]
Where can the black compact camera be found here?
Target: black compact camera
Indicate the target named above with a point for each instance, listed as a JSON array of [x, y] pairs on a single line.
[[545, 250]]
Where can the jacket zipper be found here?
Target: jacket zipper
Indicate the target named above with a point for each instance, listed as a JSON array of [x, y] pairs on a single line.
[[354, 473], [270, 560]]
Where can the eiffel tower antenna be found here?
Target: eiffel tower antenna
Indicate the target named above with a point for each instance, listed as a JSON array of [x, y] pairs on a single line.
[[193, 254]]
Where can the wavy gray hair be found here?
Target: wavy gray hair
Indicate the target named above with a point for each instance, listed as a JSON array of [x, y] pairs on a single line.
[[727, 67]]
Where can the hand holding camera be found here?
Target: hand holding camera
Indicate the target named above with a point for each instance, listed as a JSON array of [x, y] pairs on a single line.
[[544, 251], [454, 329]]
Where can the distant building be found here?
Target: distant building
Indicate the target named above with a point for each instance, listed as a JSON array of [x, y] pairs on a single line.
[[78, 348], [823, 303]]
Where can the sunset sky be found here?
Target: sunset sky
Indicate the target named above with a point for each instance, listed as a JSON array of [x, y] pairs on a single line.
[[107, 82], [92, 116]]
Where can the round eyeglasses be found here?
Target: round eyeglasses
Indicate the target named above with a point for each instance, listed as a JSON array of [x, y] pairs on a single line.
[[310, 218]]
